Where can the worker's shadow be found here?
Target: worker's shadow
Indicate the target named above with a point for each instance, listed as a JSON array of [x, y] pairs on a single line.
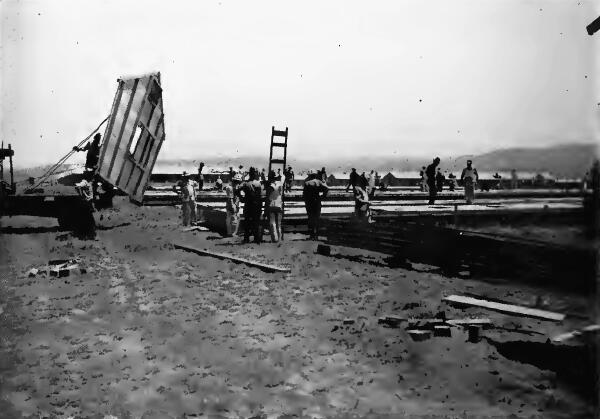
[[29, 230], [100, 227]]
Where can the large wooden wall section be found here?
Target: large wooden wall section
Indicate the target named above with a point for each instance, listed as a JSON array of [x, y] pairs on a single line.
[[133, 136]]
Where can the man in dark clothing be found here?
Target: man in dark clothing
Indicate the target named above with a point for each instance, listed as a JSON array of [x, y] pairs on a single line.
[[430, 172], [252, 197], [323, 175], [289, 179], [353, 180], [439, 180], [313, 188], [200, 176], [93, 152]]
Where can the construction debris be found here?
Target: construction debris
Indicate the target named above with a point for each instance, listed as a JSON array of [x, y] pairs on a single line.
[[33, 272], [425, 323], [391, 320], [205, 252], [484, 322], [504, 308], [61, 271], [348, 321], [324, 250], [473, 333], [196, 228], [419, 335], [442, 331]]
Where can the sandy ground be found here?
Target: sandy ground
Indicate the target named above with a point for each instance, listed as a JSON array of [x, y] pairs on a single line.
[[155, 332]]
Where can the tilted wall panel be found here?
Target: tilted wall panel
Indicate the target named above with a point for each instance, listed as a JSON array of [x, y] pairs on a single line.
[[126, 157]]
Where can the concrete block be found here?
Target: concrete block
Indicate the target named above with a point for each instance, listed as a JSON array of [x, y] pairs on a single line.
[[62, 271], [473, 333], [419, 335], [324, 250], [442, 331]]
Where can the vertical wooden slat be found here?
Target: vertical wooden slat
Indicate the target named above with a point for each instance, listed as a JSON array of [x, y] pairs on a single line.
[[113, 115], [125, 118]]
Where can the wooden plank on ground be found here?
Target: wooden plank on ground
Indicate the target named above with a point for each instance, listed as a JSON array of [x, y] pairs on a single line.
[[505, 308], [466, 322], [570, 335], [205, 252]]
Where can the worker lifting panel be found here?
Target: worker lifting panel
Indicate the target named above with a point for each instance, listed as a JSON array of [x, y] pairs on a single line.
[[133, 136]]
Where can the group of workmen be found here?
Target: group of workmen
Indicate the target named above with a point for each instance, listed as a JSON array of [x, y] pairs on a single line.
[[432, 180], [244, 187], [262, 196]]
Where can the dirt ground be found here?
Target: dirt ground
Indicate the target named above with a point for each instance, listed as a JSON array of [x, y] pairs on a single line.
[[155, 332]]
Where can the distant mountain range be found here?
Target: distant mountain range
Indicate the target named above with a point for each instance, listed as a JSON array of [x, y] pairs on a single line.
[[569, 160]]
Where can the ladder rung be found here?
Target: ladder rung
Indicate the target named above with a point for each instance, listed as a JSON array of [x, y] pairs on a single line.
[[279, 133], [277, 161], [278, 145]]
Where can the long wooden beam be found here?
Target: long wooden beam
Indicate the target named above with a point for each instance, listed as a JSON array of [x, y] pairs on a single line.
[[505, 308], [205, 252]]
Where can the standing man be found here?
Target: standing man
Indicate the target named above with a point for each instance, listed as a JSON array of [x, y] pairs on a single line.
[[423, 176], [314, 191], [200, 176], [353, 180], [252, 192], [371, 180], [93, 152], [275, 206], [289, 179], [430, 173], [469, 177], [186, 187], [323, 175], [362, 207], [232, 205]]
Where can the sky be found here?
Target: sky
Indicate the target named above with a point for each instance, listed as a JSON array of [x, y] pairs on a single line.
[[349, 78]]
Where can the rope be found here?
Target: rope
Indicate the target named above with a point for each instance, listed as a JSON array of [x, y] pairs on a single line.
[[55, 167]]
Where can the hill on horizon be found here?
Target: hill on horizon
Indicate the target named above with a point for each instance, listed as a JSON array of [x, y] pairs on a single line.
[[567, 160]]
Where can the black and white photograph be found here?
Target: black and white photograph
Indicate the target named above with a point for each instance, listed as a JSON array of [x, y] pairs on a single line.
[[275, 209]]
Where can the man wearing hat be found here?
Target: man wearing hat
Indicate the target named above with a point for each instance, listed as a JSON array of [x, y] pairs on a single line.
[[430, 172], [186, 187], [252, 196], [232, 206], [469, 177], [314, 191], [353, 180], [93, 152]]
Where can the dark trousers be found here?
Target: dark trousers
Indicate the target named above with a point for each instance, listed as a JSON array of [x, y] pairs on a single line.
[[432, 193], [313, 210], [252, 222]]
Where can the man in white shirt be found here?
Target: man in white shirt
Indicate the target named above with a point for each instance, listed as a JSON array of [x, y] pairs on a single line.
[[469, 177], [232, 206], [371, 179], [187, 190]]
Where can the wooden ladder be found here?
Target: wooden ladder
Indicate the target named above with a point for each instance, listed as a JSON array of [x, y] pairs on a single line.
[[279, 134]]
